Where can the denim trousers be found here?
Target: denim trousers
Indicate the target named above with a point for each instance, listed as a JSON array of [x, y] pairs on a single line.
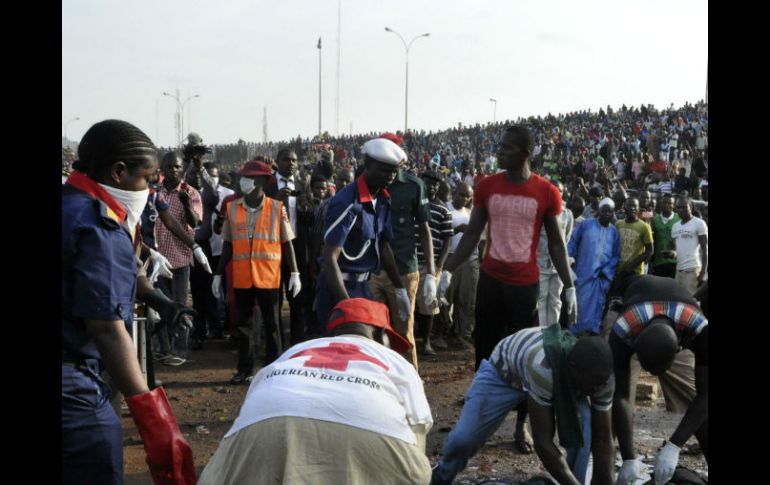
[[487, 403]]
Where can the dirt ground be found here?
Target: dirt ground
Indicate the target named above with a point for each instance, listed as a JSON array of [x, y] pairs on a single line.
[[206, 406]]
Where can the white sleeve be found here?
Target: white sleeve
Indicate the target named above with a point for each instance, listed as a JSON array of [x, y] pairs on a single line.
[[413, 397], [702, 228]]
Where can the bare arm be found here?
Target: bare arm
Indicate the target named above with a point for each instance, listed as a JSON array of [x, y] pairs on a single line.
[[698, 411], [444, 254], [190, 216], [118, 354], [332, 271], [176, 228], [426, 242], [470, 239], [602, 448], [287, 253], [704, 245], [558, 250], [542, 421], [622, 407]]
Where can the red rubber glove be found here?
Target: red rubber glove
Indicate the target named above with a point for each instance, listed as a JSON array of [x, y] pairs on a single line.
[[168, 454]]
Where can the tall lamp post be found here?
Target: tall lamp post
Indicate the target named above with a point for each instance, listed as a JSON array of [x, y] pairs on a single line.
[[67, 123], [179, 111], [494, 111], [319, 86], [406, 90]]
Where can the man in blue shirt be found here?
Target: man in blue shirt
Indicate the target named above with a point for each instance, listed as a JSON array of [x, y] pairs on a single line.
[[357, 229]]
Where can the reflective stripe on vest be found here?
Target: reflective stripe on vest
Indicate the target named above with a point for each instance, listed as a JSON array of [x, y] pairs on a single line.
[[257, 263]]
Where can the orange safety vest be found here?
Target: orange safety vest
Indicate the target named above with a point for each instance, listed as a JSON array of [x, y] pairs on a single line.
[[257, 264]]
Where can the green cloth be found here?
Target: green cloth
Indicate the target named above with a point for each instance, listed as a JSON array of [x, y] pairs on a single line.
[[409, 206], [661, 234], [557, 343]]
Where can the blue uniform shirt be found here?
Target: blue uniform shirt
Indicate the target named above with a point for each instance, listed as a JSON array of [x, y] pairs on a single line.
[[98, 270], [357, 226]]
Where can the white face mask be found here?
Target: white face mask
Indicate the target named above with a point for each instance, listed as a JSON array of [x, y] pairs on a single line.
[[134, 201], [247, 185], [215, 181]]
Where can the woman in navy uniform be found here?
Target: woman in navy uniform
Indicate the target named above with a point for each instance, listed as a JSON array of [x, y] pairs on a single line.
[[101, 206]]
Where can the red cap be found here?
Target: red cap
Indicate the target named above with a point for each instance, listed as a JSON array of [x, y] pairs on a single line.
[[256, 168], [392, 137], [368, 312]]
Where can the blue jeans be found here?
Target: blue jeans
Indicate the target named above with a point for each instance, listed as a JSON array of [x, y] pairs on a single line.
[[487, 403]]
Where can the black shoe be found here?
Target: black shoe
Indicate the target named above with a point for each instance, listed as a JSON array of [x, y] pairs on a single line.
[[197, 344], [238, 379]]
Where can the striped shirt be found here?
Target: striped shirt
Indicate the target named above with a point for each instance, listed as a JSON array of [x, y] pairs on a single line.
[[440, 229], [689, 321], [520, 360]]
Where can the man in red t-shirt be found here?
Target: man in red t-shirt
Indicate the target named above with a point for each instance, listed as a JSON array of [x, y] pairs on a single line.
[[516, 203]]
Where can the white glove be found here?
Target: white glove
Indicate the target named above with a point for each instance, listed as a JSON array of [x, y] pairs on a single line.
[[569, 295], [429, 290], [201, 258], [160, 266], [628, 473], [665, 463], [295, 286], [403, 304], [216, 285], [443, 286]]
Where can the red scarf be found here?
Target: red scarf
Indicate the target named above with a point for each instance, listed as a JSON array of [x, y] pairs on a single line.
[[82, 182]]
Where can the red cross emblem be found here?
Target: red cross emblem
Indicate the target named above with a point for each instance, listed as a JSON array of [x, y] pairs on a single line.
[[336, 356]]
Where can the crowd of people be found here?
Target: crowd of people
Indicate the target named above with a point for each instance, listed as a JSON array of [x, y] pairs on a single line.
[[522, 240]]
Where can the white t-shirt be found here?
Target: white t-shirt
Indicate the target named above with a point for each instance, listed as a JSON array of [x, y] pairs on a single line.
[[349, 380], [459, 217], [687, 244]]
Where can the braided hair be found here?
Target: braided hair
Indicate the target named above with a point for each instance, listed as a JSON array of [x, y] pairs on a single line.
[[112, 141]]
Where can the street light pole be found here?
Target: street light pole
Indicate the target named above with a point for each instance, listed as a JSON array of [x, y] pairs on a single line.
[[494, 112], [182, 110], [179, 111], [67, 123], [406, 89], [319, 86]]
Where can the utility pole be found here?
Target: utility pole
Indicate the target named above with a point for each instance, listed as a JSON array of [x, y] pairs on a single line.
[[337, 98], [319, 85], [264, 125]]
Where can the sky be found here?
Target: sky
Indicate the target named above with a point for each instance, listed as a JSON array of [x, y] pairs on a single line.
[[241, 57]]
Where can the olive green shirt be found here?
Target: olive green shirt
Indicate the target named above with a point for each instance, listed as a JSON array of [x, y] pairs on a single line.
[[409, 206], [633, 237]]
